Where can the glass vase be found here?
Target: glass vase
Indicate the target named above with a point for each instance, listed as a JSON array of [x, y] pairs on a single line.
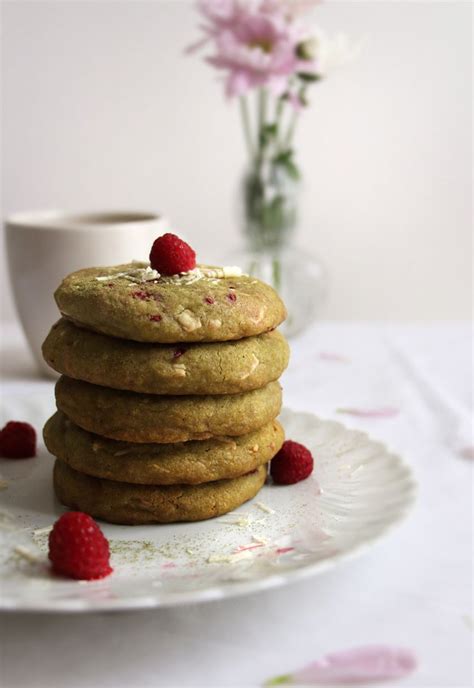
[[269, 200]]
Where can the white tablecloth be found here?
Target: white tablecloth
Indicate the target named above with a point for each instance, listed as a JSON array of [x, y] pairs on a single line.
[[412, 589]]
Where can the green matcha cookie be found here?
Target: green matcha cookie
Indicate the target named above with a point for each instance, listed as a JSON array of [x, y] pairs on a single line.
[[161, 464], [140, 504], [206, 304], [216, 368], [136, 417]]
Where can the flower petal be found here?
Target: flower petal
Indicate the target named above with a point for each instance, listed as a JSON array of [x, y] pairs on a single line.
[[382, 412], [238, 83], [360, 665], [255, 47], [331, 356], [467, 453], [277, 85]]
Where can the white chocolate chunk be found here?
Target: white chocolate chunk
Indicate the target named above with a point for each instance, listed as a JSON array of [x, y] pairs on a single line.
[[253, 366], [42, 531], [258, 316], [265, 508], [179, 370], [25, 553], [188, 321], [232, 271]]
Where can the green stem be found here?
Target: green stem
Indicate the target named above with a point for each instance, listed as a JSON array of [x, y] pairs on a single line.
[[279, 680], [276, 270], [278, 121], [262, 108], [244, 112], [262, 114], [279, 109], [291, 129]]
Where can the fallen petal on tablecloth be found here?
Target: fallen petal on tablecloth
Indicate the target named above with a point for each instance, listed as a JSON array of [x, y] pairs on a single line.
[[357, 666], [383, 412], [331, 356], [467, 453]]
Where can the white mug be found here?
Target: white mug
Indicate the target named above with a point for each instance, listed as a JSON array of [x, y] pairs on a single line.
[[44, 247]]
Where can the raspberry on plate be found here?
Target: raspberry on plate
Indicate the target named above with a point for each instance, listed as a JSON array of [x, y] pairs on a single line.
[[170, 255], [78, 548], [18, 440], [291, 464]]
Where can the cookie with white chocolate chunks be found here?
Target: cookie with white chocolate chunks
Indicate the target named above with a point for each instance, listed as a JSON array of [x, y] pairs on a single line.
[[206, 304], [134, 417], [140, 504], [195, 368], [188, 463]]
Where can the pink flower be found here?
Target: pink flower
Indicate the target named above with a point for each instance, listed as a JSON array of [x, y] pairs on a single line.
[[256, 43], [255, 53]]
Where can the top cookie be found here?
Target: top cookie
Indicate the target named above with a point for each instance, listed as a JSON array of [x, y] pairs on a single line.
[[203, 305]]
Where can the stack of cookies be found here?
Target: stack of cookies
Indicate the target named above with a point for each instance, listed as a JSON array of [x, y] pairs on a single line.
[[169, 392]]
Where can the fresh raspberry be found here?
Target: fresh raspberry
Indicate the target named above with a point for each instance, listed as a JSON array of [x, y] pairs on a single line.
[[78, 548], [17, 440], [292, 464], [171, 255]]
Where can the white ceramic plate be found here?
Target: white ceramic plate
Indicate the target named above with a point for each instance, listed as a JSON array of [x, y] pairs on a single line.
[[357, 492]]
